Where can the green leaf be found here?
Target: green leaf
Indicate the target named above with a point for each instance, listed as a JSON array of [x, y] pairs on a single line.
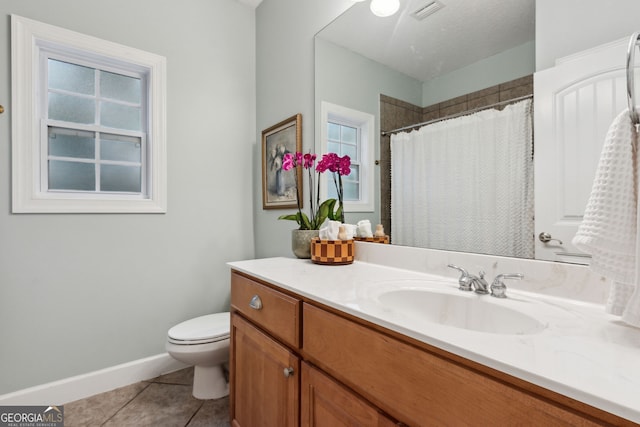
[[303, 220], [338, 214], [291, 217], [325, 211]]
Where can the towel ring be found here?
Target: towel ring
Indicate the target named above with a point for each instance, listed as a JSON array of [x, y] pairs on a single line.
[[631, 50]]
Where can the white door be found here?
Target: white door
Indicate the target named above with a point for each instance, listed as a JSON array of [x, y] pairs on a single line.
[[575, 102]]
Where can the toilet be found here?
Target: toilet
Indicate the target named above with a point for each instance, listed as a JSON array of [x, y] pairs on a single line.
[[204, 343]]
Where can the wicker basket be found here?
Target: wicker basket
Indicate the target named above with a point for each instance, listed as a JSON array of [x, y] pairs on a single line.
[[332, 252], [383, 239]]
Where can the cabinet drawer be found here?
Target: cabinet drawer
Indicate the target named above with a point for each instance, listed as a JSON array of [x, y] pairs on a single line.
[[417, 387], [276, 312]]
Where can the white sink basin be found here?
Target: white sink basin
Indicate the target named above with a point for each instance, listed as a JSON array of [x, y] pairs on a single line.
[[465, 310]]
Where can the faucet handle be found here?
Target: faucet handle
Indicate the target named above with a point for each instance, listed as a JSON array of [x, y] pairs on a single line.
[[465, 280], [498, 288]]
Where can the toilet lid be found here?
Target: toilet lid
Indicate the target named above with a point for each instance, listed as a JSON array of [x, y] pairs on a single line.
[[209, 327]]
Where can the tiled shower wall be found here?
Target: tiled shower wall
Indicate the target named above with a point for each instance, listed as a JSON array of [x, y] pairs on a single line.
[[395, 114]]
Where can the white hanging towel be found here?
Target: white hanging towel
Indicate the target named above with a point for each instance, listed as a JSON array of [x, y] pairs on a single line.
[[609, 228]]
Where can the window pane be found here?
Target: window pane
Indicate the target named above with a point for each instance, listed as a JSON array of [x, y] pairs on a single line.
[[71, 176], [350, 150], [331, 189], [71, 108], [351, 190], [122, 148], [71, 77], [349, 134], [354, 175], [333, 147], [122, 88], [120, 178], [71, 143], [334, 131], [120, 116]]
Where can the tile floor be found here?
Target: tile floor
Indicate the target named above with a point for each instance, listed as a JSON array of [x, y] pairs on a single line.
[[162, 401]]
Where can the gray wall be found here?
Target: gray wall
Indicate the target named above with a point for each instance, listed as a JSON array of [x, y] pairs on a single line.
[[284, 84], [568, 26], [339, 79], [84, 292], [502, 67]]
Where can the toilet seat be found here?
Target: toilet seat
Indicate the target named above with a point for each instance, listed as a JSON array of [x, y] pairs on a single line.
[[201, 330]]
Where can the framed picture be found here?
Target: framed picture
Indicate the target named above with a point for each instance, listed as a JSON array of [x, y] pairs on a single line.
[[279, 187]]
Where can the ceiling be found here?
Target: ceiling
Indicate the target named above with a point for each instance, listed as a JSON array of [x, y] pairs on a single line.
[[459, 34], [252, 3]]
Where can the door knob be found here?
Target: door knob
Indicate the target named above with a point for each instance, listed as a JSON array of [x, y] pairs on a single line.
[[288, 372], [546, 238]]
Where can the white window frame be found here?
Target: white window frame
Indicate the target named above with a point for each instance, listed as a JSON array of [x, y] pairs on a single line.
[[30, 41], [365, 123]]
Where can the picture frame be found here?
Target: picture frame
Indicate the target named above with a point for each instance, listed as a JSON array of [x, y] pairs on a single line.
[[279, 188]]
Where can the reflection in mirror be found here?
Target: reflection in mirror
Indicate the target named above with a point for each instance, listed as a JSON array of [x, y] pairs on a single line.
[[406, 71], [466, 183]]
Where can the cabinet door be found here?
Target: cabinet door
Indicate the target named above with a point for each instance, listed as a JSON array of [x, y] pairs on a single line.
[[264, 379], [325, 403]]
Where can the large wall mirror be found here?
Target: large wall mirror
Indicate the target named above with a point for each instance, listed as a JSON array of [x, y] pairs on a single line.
[[364, 62]]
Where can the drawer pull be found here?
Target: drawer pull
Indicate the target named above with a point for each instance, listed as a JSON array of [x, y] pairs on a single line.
[[255, 303], [288, 372]]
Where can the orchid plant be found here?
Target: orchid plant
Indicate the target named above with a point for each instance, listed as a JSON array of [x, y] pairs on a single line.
[[318, 212]]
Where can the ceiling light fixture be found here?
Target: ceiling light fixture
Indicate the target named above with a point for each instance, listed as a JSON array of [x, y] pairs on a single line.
[[384, 8]]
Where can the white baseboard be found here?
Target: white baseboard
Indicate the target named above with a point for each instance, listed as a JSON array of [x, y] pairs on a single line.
[[85, 385]]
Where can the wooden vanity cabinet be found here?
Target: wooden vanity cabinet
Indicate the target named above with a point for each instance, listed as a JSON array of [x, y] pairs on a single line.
[[349, 372], [262, 394], [269, 385], [326, 403], [419, 387], [264, 369]]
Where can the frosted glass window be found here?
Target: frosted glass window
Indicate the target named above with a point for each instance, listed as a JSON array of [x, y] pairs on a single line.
[[65, 175], [120, 116], [355, 173], [70, 108], [351, 191], [344, 140], [71, 77], [121, 88], [351, 183], [349, 150], [122, 148], [334, 131], [349, 134], [350, 187], [67, 143], [82, 137], [120, 178]]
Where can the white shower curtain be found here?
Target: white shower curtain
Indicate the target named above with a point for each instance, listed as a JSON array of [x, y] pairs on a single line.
[[466, 184]]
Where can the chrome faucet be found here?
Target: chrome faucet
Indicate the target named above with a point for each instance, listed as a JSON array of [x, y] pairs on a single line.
[[480, 286], [498, 288], [468, 282], [465, 279]]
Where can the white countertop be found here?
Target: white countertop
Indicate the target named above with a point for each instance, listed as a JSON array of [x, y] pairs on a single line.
[[581, 352]]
